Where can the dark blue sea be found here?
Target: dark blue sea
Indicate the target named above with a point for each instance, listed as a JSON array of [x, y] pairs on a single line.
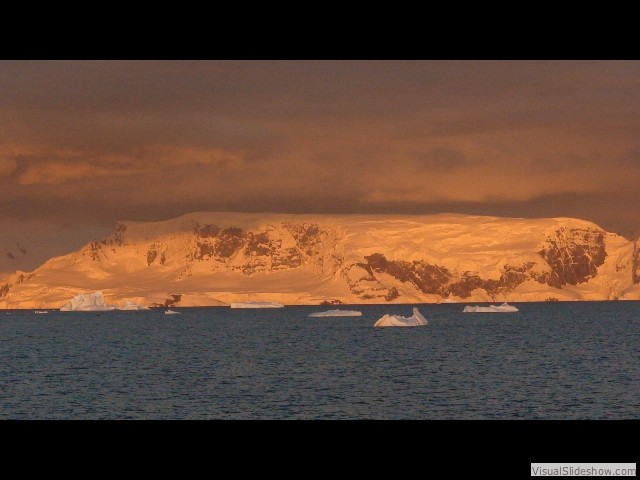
[[556, 360]]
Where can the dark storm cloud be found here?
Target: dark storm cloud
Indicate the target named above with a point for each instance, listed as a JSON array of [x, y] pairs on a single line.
[[632, 156], [441, 158]]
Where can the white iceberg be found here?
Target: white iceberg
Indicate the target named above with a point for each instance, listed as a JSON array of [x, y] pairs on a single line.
[[251, 304], [337, 313], [171, 312], [87, 302], [129, 305], [505, 307], [415, 320], [256, 305]]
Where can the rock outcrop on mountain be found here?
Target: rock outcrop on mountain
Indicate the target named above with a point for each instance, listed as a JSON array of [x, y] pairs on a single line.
[[217, 258]]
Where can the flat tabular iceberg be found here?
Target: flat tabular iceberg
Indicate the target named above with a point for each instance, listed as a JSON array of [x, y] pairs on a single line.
[[337, 313], [505, 307], [87, 302], [415, 320], [129, 305], [256, 305]]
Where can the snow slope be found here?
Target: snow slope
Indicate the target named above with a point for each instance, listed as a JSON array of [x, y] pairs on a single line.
[[208, 258]]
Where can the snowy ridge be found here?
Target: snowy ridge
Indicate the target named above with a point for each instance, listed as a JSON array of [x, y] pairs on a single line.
[[216, 258]]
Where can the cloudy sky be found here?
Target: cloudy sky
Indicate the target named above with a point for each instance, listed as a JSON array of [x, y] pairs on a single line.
[[84, 144]]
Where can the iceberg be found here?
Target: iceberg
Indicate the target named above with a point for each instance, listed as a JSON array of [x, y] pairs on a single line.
[[415, 320], [505, 307], [251, 304], [256, 305], [129, 305], [171, 312], [87, 302], [337, 313]]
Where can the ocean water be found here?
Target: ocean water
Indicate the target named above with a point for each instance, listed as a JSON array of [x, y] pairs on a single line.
[[575, 360]]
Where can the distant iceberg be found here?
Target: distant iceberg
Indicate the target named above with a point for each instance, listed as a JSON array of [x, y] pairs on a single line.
[[87, 302], [129, 305], [505, 307], [256, 305], [337, 313], [251, 304], [415, 320]]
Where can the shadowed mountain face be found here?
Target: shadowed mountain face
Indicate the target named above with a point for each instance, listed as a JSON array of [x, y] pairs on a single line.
[[248, 252], [351, 259], [572, 255]]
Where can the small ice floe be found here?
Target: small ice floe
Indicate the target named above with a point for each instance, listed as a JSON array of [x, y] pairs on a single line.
[[505, 307], [337, 313], [414, 320]]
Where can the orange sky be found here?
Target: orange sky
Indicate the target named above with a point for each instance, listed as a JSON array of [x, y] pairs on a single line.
[[85, 144]]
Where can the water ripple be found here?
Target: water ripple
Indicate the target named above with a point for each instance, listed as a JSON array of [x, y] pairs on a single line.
[[550, 361]]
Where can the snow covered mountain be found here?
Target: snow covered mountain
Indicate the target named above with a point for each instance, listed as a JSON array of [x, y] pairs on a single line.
[[217, 258]]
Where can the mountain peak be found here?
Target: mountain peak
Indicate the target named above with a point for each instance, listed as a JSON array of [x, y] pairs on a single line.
[[214, 258]]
